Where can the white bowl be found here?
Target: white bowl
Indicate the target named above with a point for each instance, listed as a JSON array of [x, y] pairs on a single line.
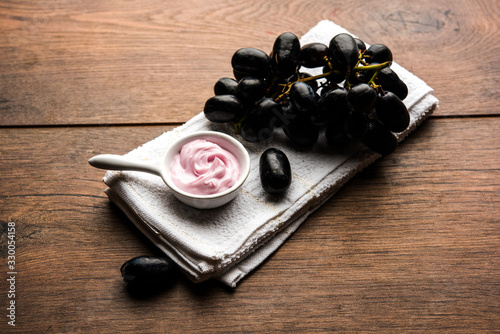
[[215, 200]]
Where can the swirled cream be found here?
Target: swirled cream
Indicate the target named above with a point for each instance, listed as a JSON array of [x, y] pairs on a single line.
[[204, 168]]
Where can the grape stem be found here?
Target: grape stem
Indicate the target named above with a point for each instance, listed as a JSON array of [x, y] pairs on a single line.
[[377, 68]]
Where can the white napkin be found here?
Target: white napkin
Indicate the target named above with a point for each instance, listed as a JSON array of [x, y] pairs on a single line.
[[227, 243]]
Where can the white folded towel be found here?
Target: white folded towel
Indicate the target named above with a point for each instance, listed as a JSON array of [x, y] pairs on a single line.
[[227, 243]]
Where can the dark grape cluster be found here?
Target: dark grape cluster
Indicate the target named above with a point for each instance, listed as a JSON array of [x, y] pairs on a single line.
[[357, 96]]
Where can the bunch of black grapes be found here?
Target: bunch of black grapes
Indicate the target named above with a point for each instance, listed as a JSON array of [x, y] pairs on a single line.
[[356, 98]]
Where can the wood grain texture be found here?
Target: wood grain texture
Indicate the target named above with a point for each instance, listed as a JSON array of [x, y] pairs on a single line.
[[130, 62], [410, 244]]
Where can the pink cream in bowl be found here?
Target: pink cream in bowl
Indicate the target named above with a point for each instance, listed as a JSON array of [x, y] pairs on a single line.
[[204, 168]]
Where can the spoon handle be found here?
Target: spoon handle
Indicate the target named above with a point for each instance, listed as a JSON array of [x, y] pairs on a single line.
[[118, 162]]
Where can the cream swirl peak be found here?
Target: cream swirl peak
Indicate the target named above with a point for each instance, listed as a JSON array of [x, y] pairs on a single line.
[[204, 168]]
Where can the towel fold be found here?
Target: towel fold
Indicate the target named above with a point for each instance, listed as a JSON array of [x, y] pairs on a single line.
[[227, 243]]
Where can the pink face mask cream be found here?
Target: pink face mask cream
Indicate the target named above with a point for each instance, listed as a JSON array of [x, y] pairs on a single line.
[[204, 168]]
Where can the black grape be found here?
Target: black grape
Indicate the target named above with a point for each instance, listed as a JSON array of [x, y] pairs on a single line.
[[225, 86], [239, 75], [361, 45], [379, 138], [251, 89], [313, 55], [356, 125], [252, 131], [378, 53], [261, 121], [145, 271], [251, 61], [301, 131], [331, 106], [361, 98], [343, 52], [268, 111], [336, 135], [275, 171], [392, 112], [224, 108], [391, 82], [303, 96], [289, 113], [285, 55]]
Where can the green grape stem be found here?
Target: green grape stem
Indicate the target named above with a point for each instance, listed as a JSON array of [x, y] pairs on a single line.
[[315, 77], [285, 91], [237, 126], [377, 68]]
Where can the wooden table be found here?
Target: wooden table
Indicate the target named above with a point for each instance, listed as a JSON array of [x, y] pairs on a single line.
[[411, 244]]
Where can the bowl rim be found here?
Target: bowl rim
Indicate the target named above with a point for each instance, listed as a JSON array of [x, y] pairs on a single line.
[[178, 143]]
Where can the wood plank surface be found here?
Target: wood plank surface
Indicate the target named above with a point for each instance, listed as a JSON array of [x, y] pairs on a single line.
[[73, 62], [412, 243]]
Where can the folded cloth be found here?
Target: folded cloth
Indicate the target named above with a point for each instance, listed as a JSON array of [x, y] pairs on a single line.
[[227, 243]]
